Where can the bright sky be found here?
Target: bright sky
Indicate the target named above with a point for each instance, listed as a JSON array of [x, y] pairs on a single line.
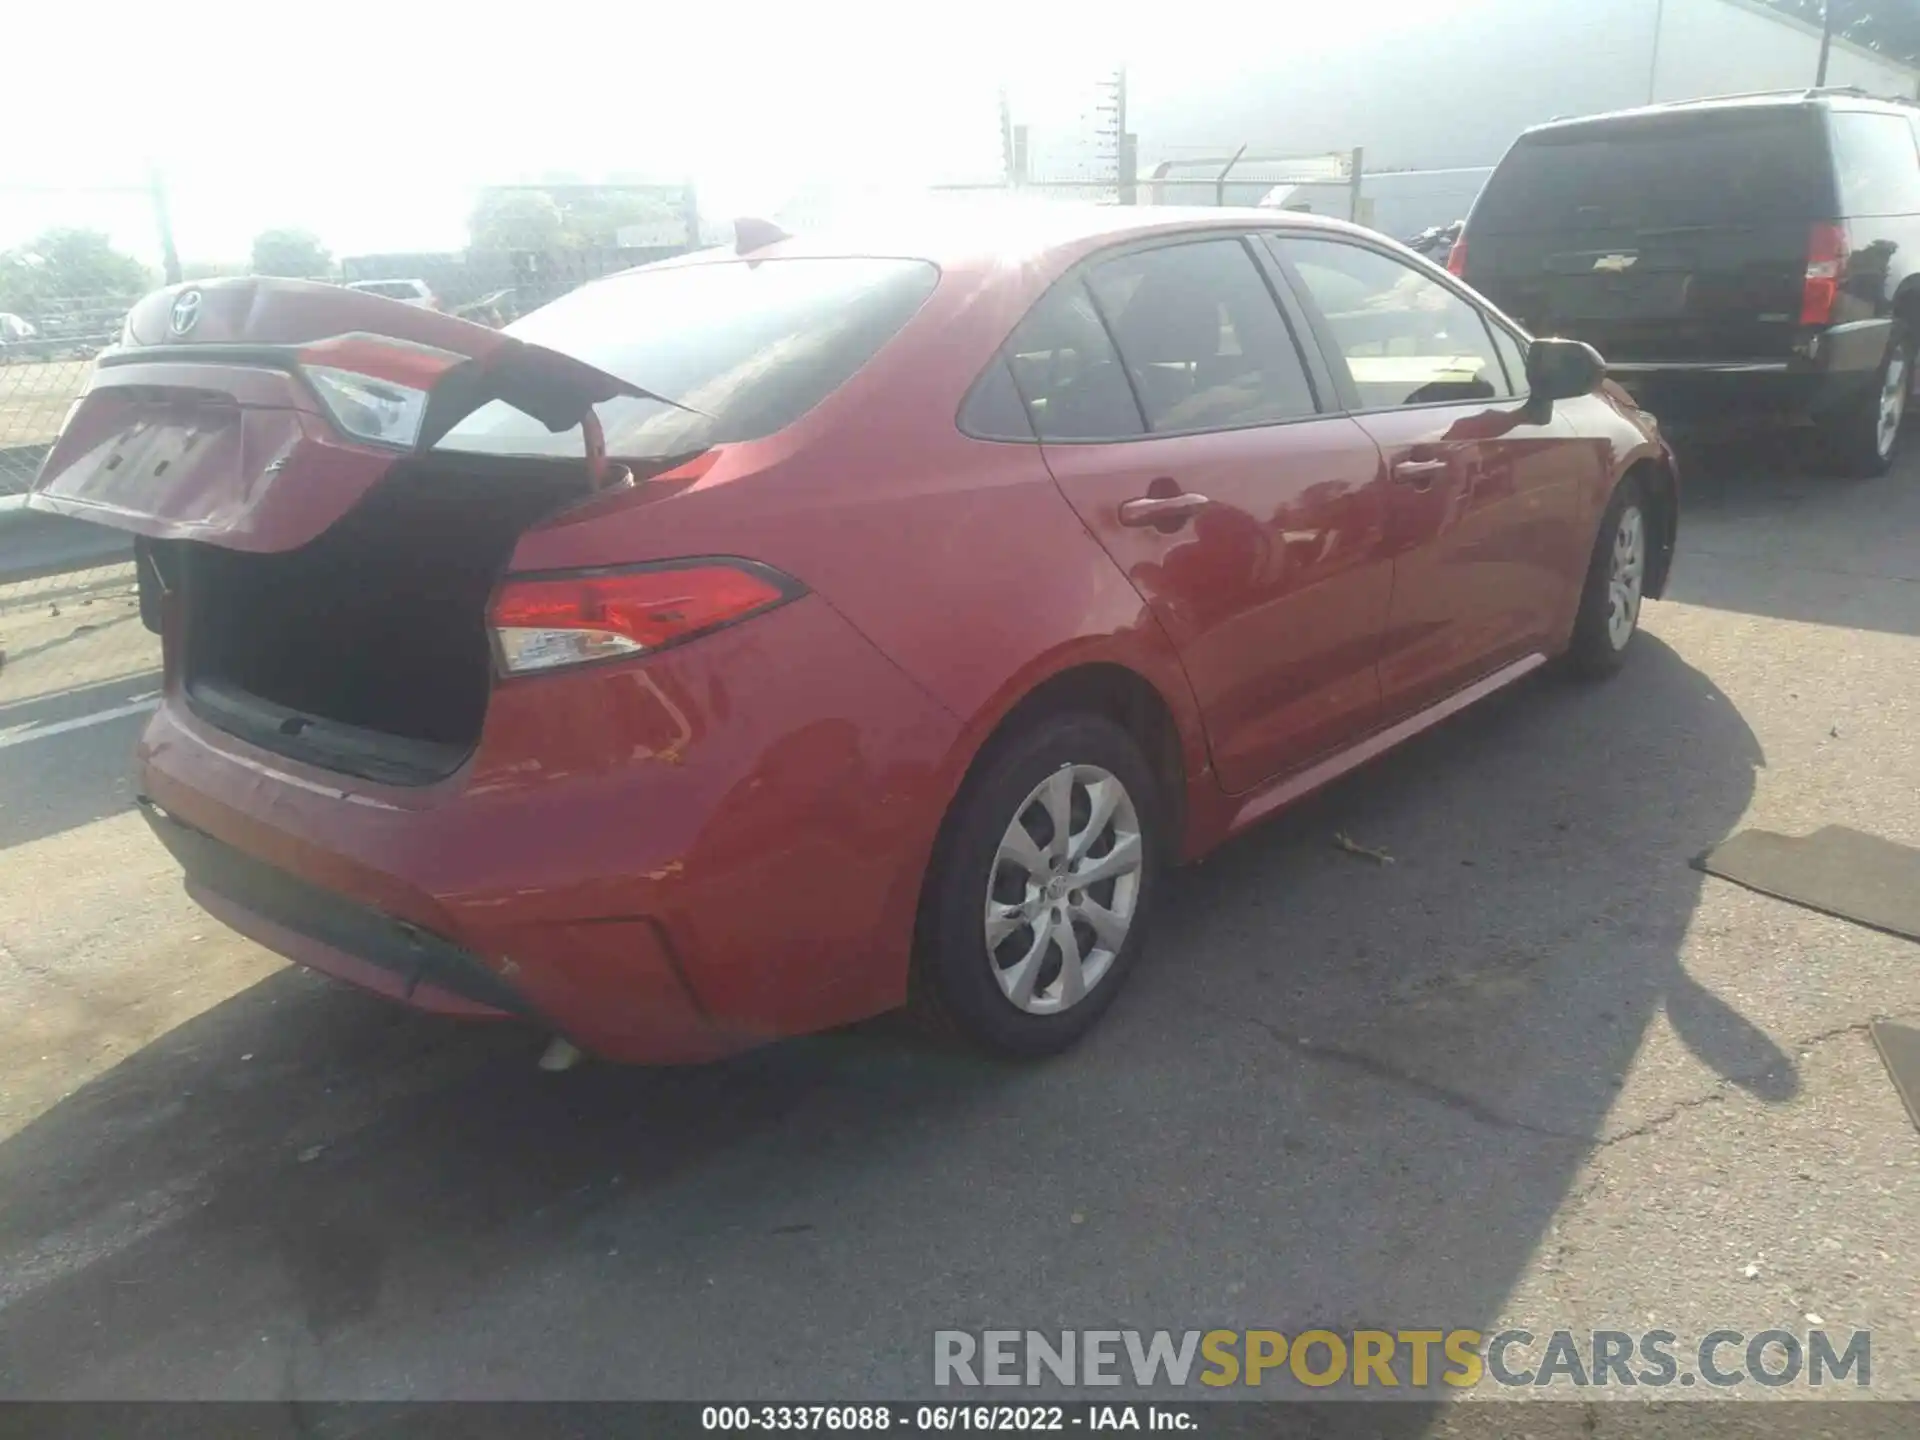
[[371, 125]]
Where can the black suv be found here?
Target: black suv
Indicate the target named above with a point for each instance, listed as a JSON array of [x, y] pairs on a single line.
[[1738, 259]]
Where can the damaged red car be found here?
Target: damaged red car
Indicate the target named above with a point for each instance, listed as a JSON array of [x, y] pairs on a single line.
[[758, 641]]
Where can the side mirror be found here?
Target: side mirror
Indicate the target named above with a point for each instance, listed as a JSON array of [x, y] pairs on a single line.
[[1563, 370]]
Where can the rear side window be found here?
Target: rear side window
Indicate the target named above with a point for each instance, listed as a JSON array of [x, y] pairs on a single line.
[[1667, 172], [1203, 340], [994, 409], [1875, 164], [1067, 371], [747, 346]]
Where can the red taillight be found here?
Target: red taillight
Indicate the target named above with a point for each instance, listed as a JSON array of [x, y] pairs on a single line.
[[555, 620], [1827, 250], [1457, 258]]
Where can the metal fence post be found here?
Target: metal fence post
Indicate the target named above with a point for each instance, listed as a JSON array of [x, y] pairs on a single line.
[[1220, 180], [1356, 180]]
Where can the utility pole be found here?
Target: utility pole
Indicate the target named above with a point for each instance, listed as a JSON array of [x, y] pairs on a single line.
[[1114, 129], [1826, 40], [169, 256], [1007, 166]]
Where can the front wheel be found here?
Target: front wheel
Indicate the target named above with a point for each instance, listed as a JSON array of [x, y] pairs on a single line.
[[1036, 910], [1615, 587]]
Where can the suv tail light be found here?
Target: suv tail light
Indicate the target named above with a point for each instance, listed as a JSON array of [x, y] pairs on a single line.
[[1457, 258], [545, 622], [1827, 251]]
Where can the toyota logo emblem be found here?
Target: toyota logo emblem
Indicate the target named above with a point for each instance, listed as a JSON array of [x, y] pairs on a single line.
[[186, 312]]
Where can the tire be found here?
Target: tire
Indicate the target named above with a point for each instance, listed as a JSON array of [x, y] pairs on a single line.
[[964, 989], [1616, 576], [1863, 440]]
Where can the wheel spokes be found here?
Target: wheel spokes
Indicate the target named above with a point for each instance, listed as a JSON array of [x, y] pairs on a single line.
[[1103, 797], [1123, 859]]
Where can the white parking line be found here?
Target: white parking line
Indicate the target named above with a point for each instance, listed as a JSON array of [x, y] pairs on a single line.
[[21, 734]]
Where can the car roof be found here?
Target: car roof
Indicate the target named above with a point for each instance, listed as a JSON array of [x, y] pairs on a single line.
[[995, 234], [1833, 98]]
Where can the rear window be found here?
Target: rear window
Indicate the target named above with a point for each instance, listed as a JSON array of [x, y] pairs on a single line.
[[1669, 172], [1875, 163], [749, 345]]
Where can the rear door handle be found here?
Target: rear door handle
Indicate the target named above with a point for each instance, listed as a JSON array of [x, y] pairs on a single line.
[[1420, 474], [1167, 512]]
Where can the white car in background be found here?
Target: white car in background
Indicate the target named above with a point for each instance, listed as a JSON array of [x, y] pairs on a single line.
[[13, 331], [408, 292]]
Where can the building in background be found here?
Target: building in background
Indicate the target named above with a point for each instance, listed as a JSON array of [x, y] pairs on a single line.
[[1447, 87]]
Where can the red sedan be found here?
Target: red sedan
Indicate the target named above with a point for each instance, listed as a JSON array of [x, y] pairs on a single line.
[[765, 639]]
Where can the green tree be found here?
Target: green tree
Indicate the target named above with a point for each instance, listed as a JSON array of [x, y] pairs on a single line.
[[562, 215], [68, 264], [297, 253], [515, 220]]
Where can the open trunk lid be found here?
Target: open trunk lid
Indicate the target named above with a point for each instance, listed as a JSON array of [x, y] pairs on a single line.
[[1660, 236], [255, 413]]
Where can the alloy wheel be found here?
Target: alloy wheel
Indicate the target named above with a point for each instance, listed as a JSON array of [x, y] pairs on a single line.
[[1626, 576], [1064, 888]]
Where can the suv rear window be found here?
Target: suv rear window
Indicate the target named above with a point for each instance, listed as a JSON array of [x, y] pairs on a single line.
[[1875, 163], [1719, 168], [750, 345]]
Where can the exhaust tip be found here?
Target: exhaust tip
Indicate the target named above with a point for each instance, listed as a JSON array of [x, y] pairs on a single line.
[[560, 1055]]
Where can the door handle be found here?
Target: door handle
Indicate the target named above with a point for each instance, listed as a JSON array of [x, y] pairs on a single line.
[[1167, 512], [1420, 474]]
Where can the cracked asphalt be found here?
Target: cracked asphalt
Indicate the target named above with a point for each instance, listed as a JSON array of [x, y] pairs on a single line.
[[1538, 1072]]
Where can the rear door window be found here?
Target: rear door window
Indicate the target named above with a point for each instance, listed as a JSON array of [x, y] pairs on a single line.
[[1875, 163], [1202, 337], [1065, 367], [1666, 172], [748, 347]]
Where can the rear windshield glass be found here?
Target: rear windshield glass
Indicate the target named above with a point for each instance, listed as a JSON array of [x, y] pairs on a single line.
[[751, 346], [1875, 159], [1670, 172]]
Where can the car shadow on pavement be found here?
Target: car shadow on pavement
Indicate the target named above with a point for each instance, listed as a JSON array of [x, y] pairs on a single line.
[[1339, 1093]]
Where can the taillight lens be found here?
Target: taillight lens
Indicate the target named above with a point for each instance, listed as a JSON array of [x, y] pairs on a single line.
[[374, 386], [1827, 250], [368, 408], [549, 621], [1457, 258]]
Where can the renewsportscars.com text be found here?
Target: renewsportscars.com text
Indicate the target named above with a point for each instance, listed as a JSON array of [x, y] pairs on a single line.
[[1413, 1359]]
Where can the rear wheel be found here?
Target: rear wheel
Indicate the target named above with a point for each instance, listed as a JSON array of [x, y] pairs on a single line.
[[1610, 601], [1036, 910], [1864, 439]]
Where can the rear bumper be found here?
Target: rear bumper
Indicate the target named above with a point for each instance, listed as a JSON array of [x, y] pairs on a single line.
[[1838, 369], [665, 861], [330, 933]]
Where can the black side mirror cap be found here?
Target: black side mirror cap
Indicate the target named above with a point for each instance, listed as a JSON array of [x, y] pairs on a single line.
[[1563, 369]]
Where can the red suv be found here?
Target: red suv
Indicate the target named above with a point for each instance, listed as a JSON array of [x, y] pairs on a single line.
[[754, 642]]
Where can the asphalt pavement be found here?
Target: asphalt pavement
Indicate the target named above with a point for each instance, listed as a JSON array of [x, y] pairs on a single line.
[[1536, 1071]]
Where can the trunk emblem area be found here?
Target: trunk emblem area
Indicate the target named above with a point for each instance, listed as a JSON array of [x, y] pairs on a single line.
[[185, 313]]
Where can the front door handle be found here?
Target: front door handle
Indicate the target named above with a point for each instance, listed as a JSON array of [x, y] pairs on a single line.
[[1420, 474], [1163, 512]]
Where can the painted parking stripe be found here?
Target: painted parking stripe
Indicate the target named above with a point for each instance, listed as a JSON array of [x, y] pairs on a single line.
[[21, 734]]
